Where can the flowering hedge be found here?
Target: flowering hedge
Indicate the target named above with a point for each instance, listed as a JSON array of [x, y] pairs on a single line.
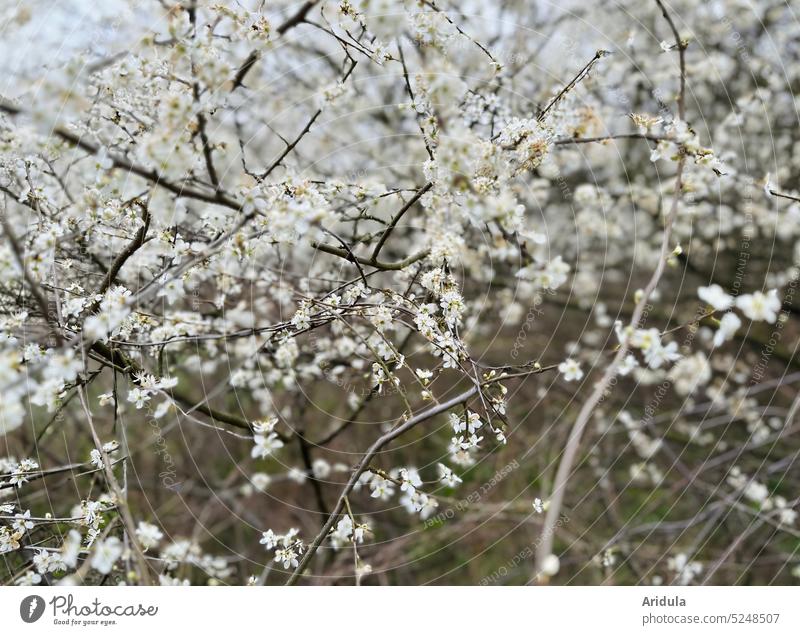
[[399, 292]]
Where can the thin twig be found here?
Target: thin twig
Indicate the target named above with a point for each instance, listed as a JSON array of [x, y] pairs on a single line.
[[363, 464], [564, 472]]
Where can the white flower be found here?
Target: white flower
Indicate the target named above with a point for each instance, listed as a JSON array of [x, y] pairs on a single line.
[[70, 549], [787, 516], [9, 541], [570, 370], [381, 318], [474, 422], [106, 399], [685, 569], [287, 557], [342, 533], [548, 276], [538, 505], [265, 426], [447, 476], [410, 479], [96, 458], [728, 326], [261, 481], [458, 423], [63, 367], [12, 413], [690, 373], [645, 339], [265, 445], [106, 553], [31, 578], [22, 522], [360, 531], [715, 296], [759, 306], [452, 307], [269, 539], [139, 397], [18, 478], [627, 365], [91, 511], [48, 561], [423, 504], [321, 469], [551, 565], [555, 274], [165, 383], [300, 320], [657, 354], [381, 488], [165, 580], [148, 535], [172, 291]]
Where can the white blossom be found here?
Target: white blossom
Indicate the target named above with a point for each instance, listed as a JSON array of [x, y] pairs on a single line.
[[760, 306], [570, 370], [105, 553]]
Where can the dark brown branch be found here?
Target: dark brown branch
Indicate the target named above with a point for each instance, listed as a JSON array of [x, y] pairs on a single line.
[[386, 266], [297, 18], [201, 130], [782, 195], [575, 80], [627, 135], [385, 235], [291, 146], [410, 92], [122, 258], [316, 486]]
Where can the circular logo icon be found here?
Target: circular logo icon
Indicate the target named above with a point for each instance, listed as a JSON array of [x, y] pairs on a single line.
[[31, 608]]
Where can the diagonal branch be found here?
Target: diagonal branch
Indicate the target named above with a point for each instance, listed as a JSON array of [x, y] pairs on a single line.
[[385, 235], [125, 254], [298, 18], [363, 464], [291, 146]]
